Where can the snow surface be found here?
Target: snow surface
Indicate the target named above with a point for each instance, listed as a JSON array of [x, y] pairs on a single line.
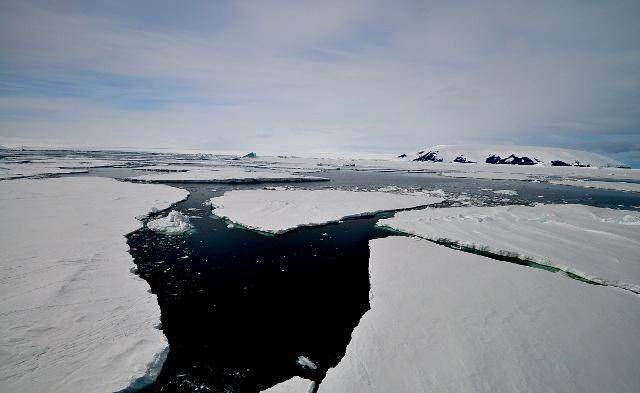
[[605, 185], [532, 172], [10, 171], [175, 223], [442, 320], [278, 211], [293, 385], [227, 174], [595, 243], [479, 153], [74, 316]]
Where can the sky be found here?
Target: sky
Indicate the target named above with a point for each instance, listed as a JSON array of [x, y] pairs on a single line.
[[287, 76]]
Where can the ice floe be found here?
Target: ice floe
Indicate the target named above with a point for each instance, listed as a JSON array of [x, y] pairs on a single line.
[[224, 175], [175, 223], [305, 362], [74, 316], [605, 185], [590, 242], [293, 385], [506, 192], [278, 211], [10, 171], [442, 320]]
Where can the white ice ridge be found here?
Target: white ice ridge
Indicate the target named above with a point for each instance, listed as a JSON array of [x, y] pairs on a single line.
[[74, 316], [605, 185], [175, 223], [278, 211], [595, 243], [224, 175], [442, 320]]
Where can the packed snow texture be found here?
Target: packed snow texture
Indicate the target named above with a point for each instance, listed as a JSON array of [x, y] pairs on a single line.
[[175, 223], [595, 243], [512, 154], [74, 316], [224, 175], [442, 320], [278, 211], [606, 185]]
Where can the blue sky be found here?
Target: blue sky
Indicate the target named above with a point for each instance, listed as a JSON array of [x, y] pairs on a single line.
[[379, 76]]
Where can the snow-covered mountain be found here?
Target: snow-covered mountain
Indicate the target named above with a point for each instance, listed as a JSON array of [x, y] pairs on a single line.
[[513, 155]]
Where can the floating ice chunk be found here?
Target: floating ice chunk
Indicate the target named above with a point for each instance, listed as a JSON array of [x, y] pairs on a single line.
[[175, 223], [278, 211], [305, 362], [506, 192]]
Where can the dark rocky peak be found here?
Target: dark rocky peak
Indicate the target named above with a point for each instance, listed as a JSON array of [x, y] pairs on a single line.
[[431, 156]]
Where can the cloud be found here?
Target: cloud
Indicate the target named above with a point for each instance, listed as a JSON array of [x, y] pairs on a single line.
[[296, 75]]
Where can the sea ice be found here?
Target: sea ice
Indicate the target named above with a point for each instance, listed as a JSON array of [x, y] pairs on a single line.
[[10, 171], [606, 185], [506, 192], [305, 362], [74, 316], [589, 241], [228, 174], [175, 223], [443, 320], [293, 385], [278, 211]]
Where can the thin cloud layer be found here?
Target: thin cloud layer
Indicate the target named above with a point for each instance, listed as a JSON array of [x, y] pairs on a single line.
[[291, 75]]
